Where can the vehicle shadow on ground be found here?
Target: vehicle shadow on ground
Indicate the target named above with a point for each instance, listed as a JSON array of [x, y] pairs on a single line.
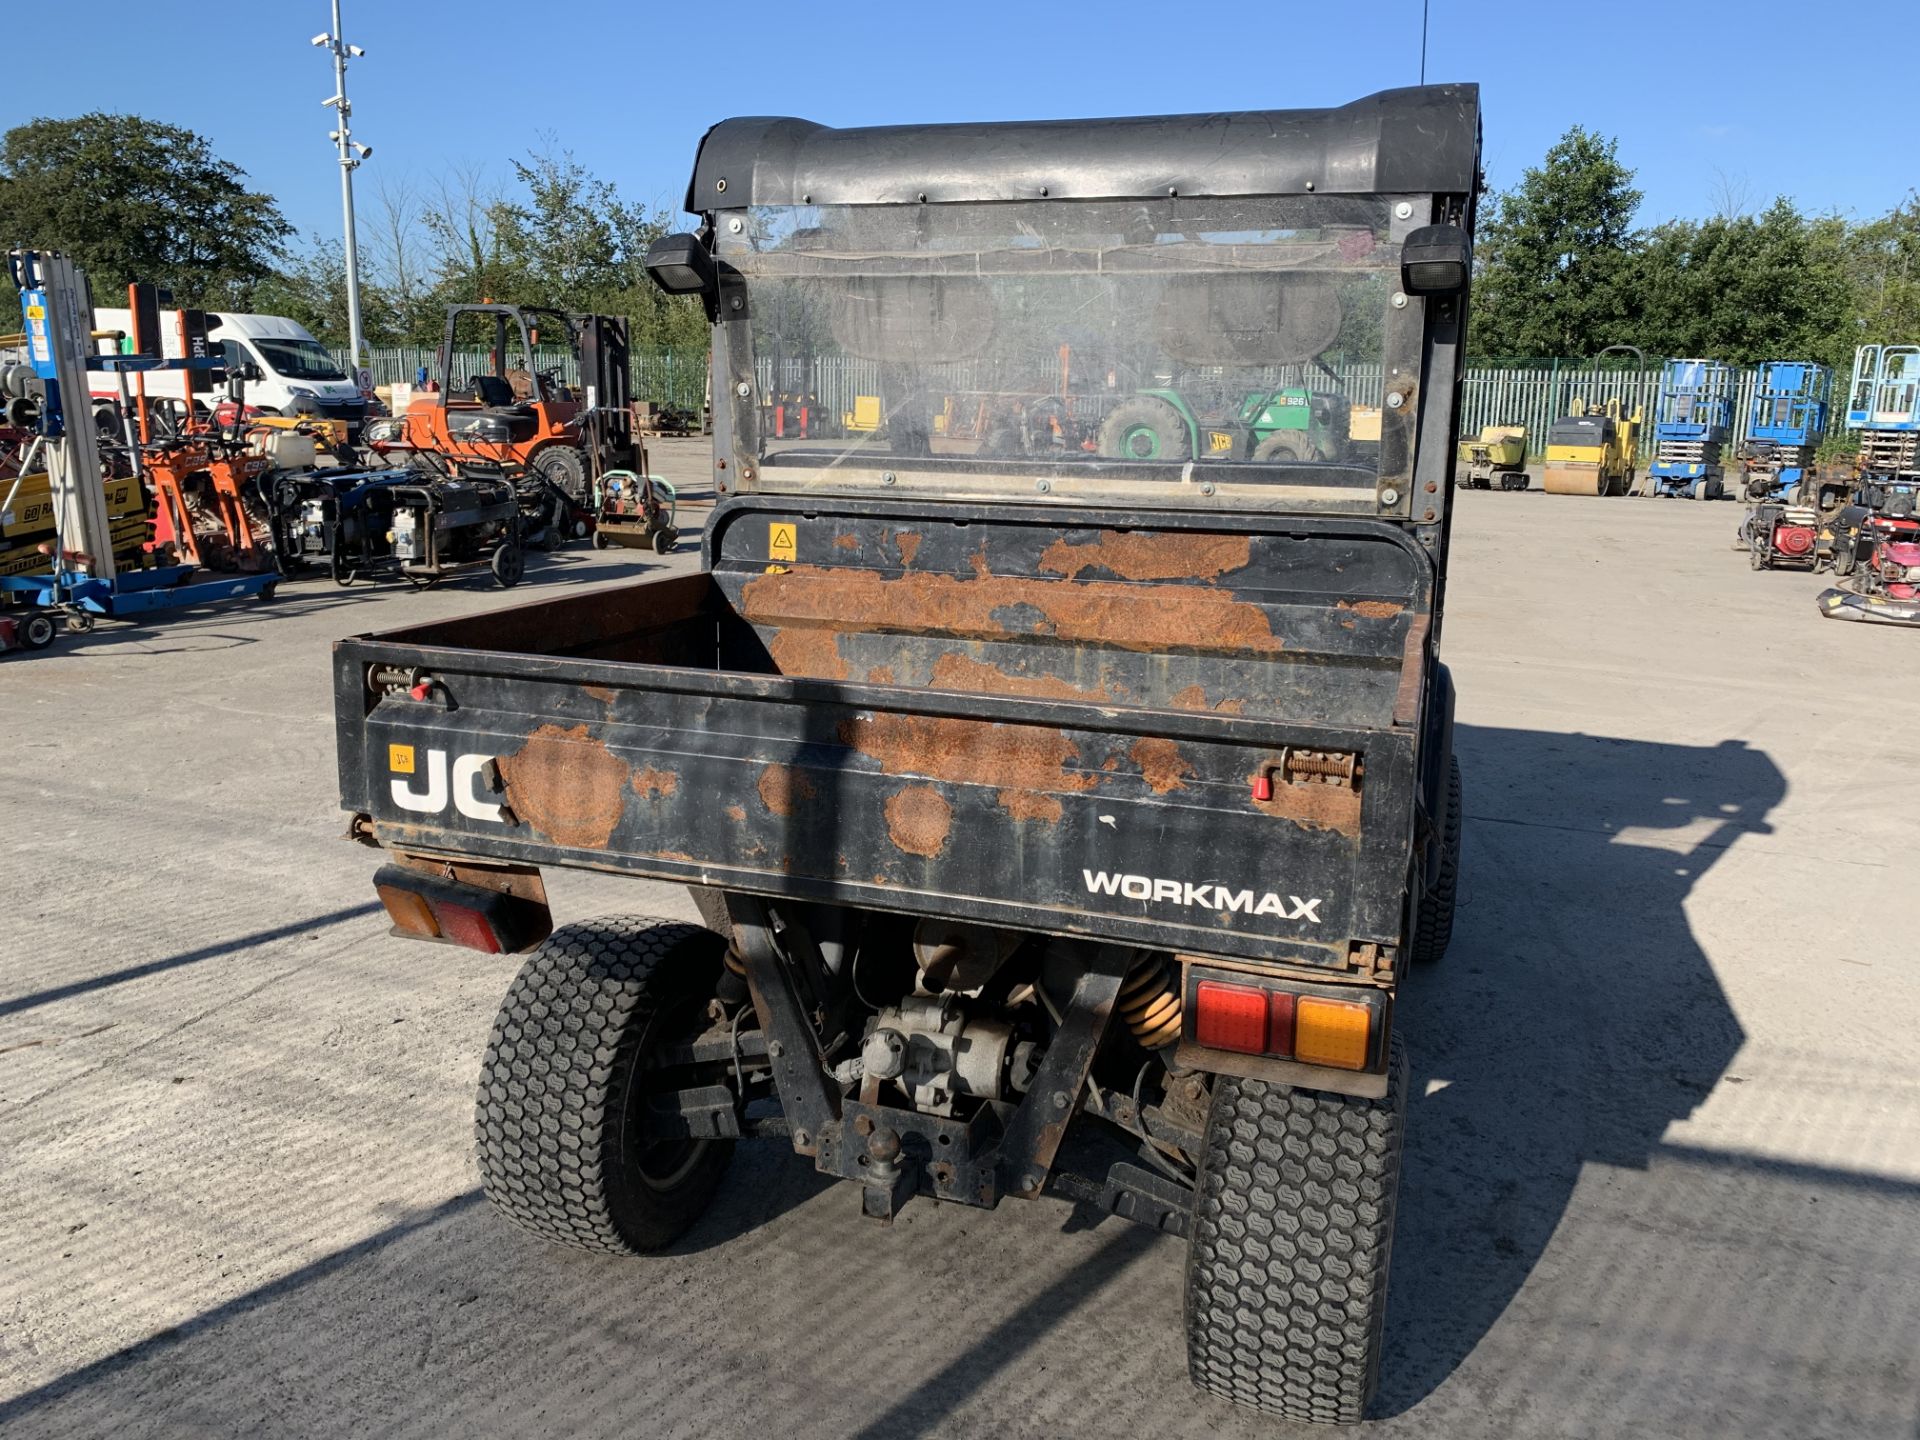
[[1574, 1018]]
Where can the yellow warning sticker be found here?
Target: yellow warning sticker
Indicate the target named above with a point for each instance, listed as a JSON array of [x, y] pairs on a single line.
[[780, 542], [400, 759], [36, 312]]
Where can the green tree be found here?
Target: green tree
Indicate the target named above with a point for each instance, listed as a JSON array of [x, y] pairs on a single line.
[[1882, 260], [132, 199], [1743, 289], [1555, 256]]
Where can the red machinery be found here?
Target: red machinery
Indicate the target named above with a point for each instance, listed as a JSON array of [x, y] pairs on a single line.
[[1782, 535]]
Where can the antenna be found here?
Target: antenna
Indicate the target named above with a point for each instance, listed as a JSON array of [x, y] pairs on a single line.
[[1424, 6]]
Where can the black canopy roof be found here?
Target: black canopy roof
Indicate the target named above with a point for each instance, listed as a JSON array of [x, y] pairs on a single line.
[[1412, 141]]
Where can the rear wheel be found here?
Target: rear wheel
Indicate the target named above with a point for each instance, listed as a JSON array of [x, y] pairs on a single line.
[[665, 540], [563, 1089], [1433, 925], [1293, 1228], [1144, 428]]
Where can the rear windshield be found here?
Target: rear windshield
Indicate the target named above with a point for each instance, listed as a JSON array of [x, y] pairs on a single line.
[[1107, 344]]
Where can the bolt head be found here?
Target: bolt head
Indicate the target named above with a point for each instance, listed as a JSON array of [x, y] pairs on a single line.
[[1399, 301], [736, 225], [800, 1137], [1389, 496], [1403, 211], [776, 1049], [1395, 400], [743, 389]]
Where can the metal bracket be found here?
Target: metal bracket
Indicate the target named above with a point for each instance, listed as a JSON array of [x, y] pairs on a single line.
[[1035, 1129], [811, 1103]]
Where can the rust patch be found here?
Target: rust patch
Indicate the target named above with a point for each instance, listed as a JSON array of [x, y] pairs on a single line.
[[736, 812], [1031, 805], [567, 785], [846, 542], [1413, 659], [880, 675], [954, 671], [602, 693], [1020, 761], [650, 782], [781, 789], [807, 651], [678, 856], [1151, 555], [908, 543], [1316, 807], [1372, 609], [1194, 697], [1150, 618], [1161, 764], [918, 820]]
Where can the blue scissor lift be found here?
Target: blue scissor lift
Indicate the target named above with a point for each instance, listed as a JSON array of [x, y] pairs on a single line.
[[1883, 406], [1785, 424], [85, 581], [1691, 423]]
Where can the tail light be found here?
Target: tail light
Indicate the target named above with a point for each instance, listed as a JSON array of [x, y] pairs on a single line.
[[1340, 1028], [490, 921]]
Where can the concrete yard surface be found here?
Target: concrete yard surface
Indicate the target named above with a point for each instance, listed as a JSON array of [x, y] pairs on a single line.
[[1663, 1167]]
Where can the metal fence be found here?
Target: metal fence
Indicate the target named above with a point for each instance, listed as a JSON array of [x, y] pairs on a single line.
[[1532, 394]]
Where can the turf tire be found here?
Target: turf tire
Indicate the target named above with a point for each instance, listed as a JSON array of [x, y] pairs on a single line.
[[1286, 1295], [559, 1152]]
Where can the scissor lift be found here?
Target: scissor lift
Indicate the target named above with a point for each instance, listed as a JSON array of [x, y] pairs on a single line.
[[1692, 420], [1883, 406], [1785, 423]]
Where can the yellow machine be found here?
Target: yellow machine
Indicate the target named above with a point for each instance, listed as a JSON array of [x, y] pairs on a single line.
[[1592, 450], [865, 416], [1499, 453], [27, 522]]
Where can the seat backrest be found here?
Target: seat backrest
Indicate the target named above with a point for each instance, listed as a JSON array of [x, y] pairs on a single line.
[[492, 390]]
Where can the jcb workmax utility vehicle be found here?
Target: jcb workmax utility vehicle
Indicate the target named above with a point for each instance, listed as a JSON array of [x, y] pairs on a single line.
[[1062, 822]]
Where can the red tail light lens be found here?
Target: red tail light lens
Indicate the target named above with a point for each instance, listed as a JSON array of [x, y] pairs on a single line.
[[1231, 1017], [467, 927]]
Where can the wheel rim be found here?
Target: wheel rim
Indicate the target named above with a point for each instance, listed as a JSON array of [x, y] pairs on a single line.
[[1140, 442], [661, 1164]]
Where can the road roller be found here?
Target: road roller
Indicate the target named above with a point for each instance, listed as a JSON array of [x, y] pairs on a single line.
[[1591, 451]]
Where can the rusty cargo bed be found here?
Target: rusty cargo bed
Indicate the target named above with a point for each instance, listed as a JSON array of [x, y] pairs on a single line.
[[1170, 730]]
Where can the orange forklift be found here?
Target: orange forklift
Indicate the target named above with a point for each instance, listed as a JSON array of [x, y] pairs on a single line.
[[519, 420]]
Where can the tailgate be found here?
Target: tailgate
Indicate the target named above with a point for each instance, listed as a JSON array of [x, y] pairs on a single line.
[[1184, 737]]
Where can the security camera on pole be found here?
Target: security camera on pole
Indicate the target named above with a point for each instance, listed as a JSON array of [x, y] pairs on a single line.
[[351, 154]]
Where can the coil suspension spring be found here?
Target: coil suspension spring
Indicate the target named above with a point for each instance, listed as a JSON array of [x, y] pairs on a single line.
[[1150, 1001]]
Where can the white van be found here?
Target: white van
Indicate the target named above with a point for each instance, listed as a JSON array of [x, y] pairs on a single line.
[[297, 374]]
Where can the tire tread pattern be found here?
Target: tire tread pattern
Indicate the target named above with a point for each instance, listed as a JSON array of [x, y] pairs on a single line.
[[552, 1095], [1293, 1229], [1433, 927]]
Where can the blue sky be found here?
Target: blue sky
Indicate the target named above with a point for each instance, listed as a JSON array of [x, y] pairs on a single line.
[[437, 88]]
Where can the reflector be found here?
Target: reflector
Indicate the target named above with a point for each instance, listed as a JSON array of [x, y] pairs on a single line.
[[408, 911], [467, 927]]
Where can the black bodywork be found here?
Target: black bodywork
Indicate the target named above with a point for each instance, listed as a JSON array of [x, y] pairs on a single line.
[[1175, 724]]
